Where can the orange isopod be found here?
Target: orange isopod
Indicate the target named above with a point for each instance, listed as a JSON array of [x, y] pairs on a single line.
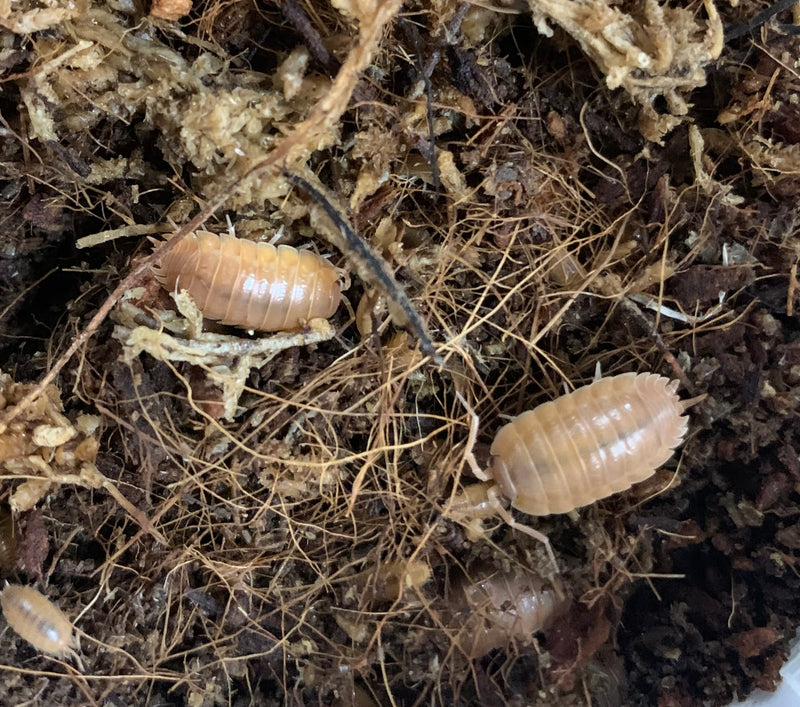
[[34, 617], [251, 285], [596, 441]]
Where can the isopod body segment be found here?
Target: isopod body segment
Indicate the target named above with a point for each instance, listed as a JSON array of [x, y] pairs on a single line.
[[37, 620], [500, 607], [251, 285], [594, 442]]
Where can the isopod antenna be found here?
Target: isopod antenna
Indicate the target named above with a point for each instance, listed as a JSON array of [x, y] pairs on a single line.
[[373, 267]]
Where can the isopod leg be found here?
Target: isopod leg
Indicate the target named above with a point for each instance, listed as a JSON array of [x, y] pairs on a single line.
[[686, 404], [73, 655], [469, 457], [508, 519]]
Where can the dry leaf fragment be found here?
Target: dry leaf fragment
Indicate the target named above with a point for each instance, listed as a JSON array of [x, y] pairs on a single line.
[[170, 10]]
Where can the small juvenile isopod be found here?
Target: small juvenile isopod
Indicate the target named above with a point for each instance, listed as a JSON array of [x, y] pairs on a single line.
[[34, 617], [251, 285], [570, 452], [501, 607]]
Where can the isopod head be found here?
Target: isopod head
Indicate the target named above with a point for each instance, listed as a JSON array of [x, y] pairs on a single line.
[[596, 441]]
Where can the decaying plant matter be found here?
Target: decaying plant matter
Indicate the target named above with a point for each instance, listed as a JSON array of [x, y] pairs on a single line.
[[225, 359], [649, 48], [265, 516], [43, 447]]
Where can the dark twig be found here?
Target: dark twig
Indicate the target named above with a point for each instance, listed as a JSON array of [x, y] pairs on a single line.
[[413, 35], [374, 265], [296, 15], [758, 20]]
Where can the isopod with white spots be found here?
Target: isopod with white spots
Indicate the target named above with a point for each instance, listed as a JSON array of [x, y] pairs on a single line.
[[34, 617], [251, 285]]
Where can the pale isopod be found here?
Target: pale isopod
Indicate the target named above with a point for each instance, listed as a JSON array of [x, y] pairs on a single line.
[[251, 285], [501, 607], [581, 447], [34, 617], [570, 452]]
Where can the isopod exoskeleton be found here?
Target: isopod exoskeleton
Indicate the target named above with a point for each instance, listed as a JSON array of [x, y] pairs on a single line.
[[570, 452], [596, 441], [502, 607], [34, 617], [251, 285]]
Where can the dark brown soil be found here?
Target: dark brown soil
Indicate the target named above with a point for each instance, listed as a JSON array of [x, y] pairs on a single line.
[[303, 551]]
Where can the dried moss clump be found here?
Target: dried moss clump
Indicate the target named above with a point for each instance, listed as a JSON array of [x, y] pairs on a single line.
[[647, 48]]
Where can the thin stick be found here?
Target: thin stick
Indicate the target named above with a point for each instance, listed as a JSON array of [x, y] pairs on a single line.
[[327, 111], [757, 20], [413, 34], [374, 266]]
